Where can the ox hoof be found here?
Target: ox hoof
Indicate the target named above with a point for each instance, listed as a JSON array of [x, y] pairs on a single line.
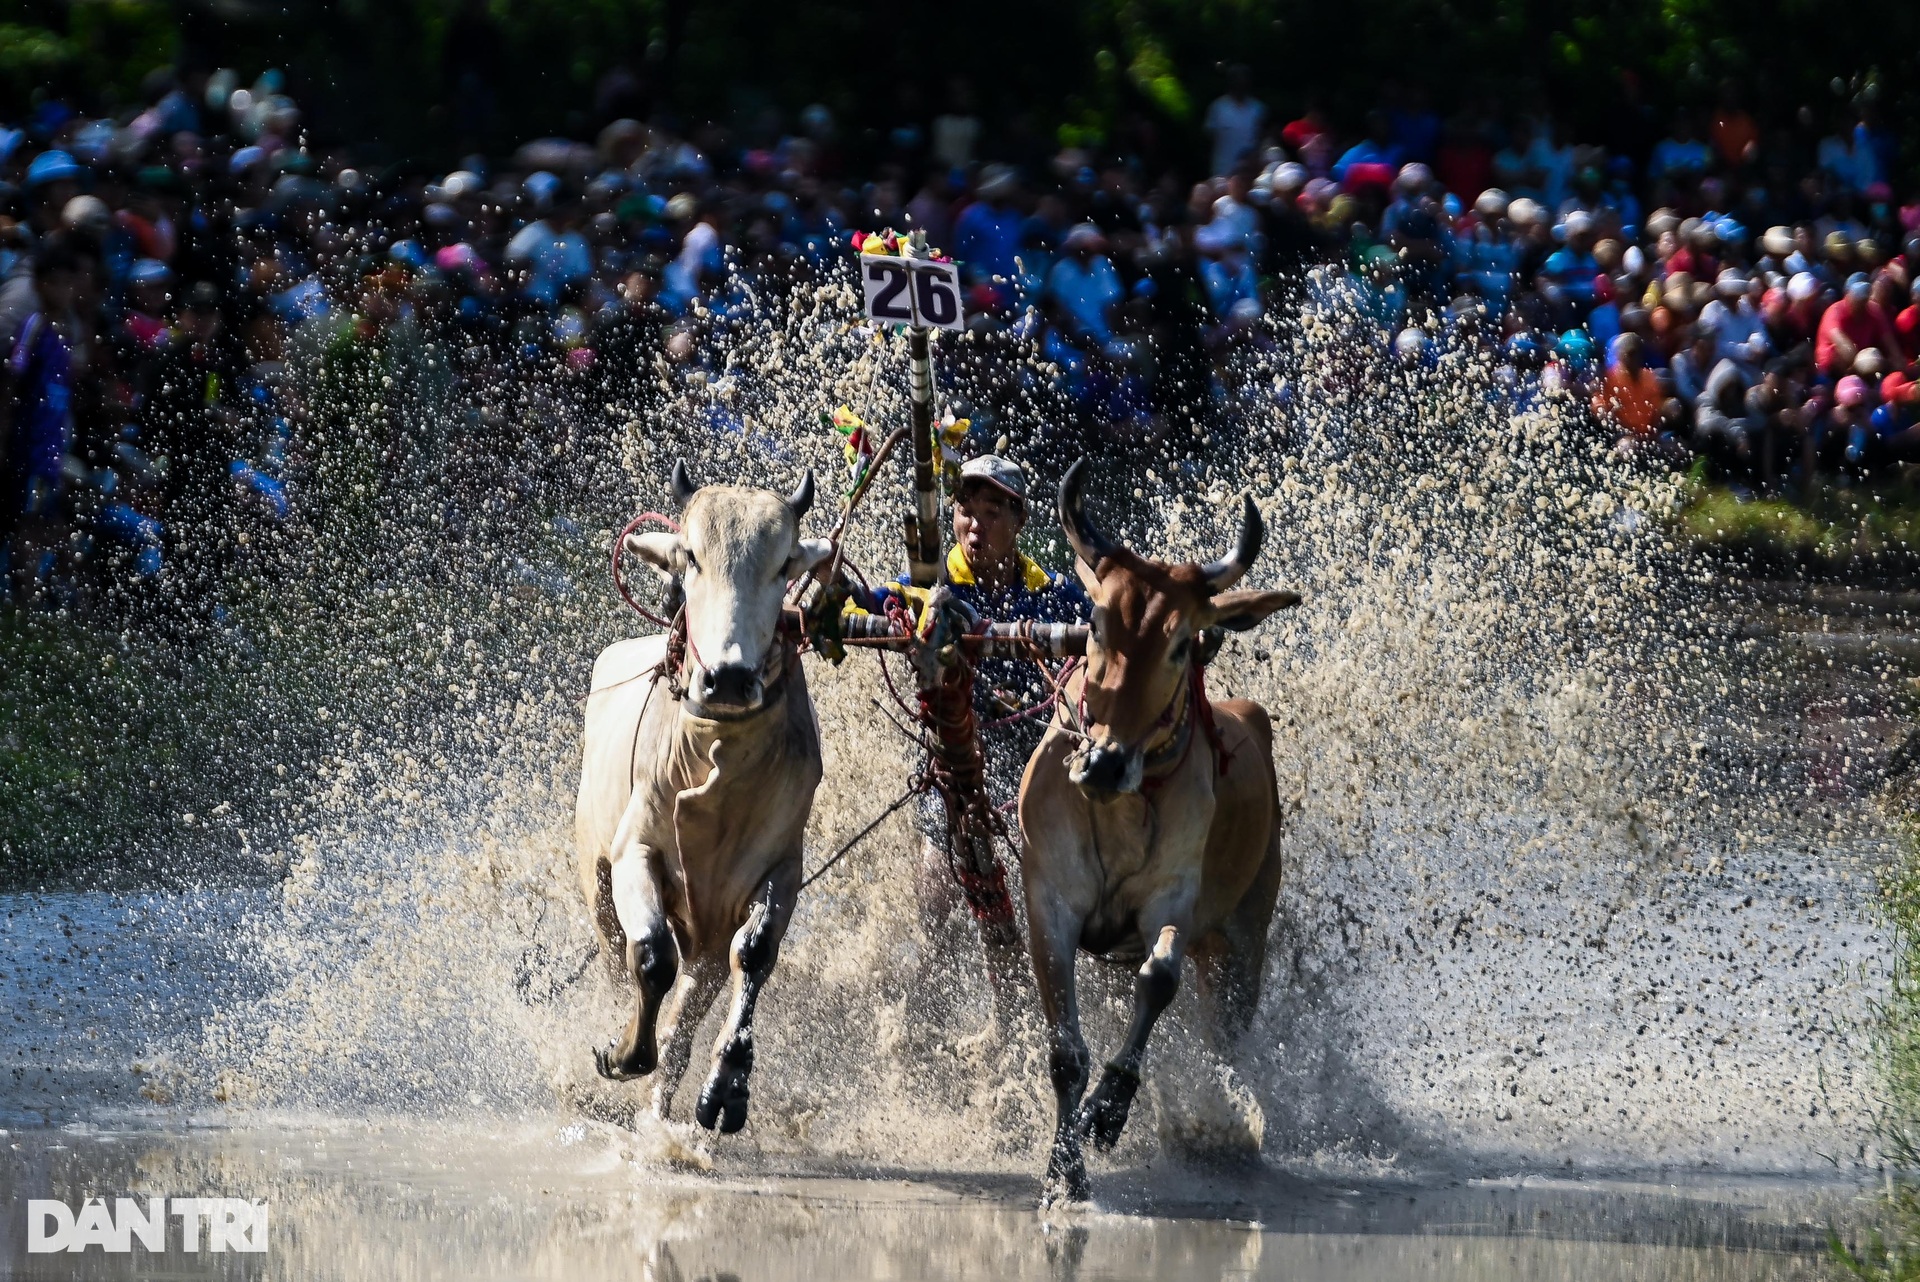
[[1063, 1188], [1104, 1115], [723, 1100], [723, 1103], [604, 1062]]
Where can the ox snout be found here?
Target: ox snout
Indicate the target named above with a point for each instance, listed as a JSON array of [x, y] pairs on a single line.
[[730, 687], [1105, 769]]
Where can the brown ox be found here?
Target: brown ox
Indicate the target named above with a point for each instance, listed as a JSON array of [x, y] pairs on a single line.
[[1149, 829]]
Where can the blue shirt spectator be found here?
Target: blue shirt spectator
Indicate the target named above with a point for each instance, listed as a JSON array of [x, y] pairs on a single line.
[[986, 235], [1085, 284]]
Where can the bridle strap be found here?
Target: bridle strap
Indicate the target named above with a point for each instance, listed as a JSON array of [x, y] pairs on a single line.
[[781, 657]]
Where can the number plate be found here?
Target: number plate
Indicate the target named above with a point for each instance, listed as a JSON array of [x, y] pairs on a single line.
[[912, 291]]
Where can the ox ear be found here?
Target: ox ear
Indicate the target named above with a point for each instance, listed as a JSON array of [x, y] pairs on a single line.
[[664, 552], [811, 552], [1239, 611], [1088, 579]]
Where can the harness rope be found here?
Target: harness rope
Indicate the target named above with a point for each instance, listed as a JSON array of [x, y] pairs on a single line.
[[915, 790], [620, 579]]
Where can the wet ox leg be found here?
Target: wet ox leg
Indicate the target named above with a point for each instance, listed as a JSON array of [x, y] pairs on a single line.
[[1054, 937], [652, 960], [756, 946], [700, 982], [1104, 1115], [1244, 965], [606, 923]]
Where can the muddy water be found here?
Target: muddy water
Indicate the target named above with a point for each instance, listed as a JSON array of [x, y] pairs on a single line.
[[1600, 1068], [488, 1199]]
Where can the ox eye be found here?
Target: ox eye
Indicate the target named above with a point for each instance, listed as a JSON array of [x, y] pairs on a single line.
[[1179, 653], [693, 562]]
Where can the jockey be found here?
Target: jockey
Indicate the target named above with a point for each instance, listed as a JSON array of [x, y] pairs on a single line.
[[989, 573]]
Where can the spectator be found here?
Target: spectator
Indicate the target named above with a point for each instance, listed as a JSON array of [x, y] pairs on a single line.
[[1720, 422], [1736, 138], [1852, 323], [1895, 421], [1375, 151], [550, 248], [1680, 156], [1849, 427], [1906, 325], [1691, 367], [1234, 121], [1085, 284], [1416, 128], [956, 131], [213, 266], [1465, 161], [987, 234], [701, 257], [1312, 140], [1737, 323], [1630, 395], [36, 427]]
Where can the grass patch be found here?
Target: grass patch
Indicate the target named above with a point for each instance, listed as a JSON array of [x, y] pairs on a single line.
[[1829, 527], [1891, 1252], [114, 755]]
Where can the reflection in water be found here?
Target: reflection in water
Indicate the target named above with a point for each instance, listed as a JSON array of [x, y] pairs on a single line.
[[405, 1201]]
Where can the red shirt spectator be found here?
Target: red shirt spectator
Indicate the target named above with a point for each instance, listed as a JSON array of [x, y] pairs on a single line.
[[1465, 162], [1696, 261], [1311, 141], [1851, 324], [1300, 133], [1735, 136], [1633, 399], [1906, 327]]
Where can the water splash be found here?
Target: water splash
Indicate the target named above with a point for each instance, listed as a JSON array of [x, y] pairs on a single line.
[[1550, 898]]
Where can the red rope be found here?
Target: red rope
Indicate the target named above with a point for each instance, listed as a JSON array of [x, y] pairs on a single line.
[[1051, 700], [620, 580], [1204, 711]]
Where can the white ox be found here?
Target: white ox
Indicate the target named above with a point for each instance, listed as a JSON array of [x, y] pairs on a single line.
[[691, 808]]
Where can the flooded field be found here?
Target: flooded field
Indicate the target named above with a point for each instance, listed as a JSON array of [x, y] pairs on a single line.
[[1612, 1071], [493, 1200], [1573, 973]]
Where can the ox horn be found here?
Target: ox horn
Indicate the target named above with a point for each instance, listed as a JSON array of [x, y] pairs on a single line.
[[1089, 544], [683, 486], [1223, 574], [802, 497]]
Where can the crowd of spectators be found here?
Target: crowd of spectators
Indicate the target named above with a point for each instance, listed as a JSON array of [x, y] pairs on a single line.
[[1730, 291]]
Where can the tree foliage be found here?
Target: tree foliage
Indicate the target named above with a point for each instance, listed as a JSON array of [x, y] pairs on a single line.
[[1046, 70]]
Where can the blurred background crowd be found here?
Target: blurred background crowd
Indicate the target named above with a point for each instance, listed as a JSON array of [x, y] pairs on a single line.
[[1711, 288]]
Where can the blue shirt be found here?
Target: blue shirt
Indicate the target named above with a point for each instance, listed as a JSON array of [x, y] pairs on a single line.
[[1086, 293], [1365, 152], [986, 239], [42, 368], [1039, 597]]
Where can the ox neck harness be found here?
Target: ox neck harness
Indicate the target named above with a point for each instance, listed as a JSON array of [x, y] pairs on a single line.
[[1177, 719], [1180, 713], [1161, 764]]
